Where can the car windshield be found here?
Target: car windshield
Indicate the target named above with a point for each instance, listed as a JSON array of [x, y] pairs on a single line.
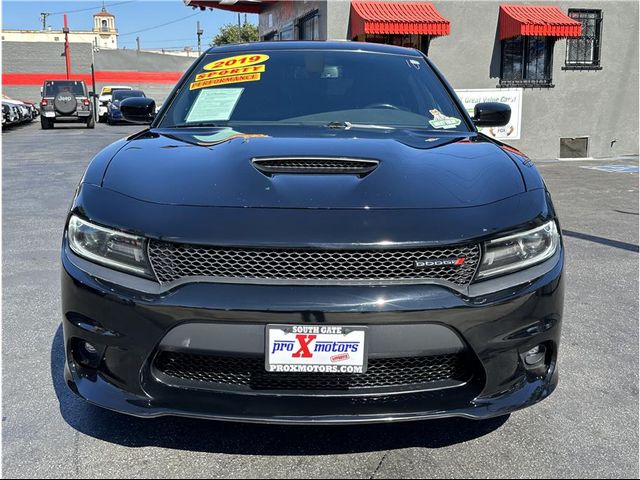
[[317, 87], [122, 94], [51, 89]]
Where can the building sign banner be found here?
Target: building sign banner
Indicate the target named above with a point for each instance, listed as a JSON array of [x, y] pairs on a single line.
[[510, 96]]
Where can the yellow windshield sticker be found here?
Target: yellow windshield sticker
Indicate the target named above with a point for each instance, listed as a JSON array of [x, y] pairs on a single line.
[[229, 72], [237, 61], [215, 82]]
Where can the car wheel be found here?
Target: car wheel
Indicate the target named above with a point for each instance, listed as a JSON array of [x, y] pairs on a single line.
[[91, 122], [102, 119], [45, 123]]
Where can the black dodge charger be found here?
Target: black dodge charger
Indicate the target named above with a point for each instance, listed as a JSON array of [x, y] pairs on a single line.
[[313, 232]]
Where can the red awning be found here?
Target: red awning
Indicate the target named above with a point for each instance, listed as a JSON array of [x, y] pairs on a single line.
[[244, 6], [420, 18], [542, 21]]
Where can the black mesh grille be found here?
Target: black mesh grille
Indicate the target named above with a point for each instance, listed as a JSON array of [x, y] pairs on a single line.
[[176, 261], [251, 373], [315, 165]]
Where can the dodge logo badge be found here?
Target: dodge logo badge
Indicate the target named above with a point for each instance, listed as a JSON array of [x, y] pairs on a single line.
[[439, 262]]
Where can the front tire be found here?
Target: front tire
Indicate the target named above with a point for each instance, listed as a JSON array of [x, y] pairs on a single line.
[[102, 119]]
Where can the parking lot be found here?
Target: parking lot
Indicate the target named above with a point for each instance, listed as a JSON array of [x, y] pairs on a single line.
[[587, 428]]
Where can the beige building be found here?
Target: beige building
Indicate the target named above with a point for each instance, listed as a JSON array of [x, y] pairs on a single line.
[[104, 34]]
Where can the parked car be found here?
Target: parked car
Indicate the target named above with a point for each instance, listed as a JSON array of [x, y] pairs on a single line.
[[320, 235], [114, 114], [66, 100], [10, 114], [33, 110], [7, 115], [15, 112], [105, 97], [25, 114]]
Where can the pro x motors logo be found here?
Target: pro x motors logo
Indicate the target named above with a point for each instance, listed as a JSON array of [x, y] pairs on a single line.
[[315, 349], [305, 346], [440, 262]]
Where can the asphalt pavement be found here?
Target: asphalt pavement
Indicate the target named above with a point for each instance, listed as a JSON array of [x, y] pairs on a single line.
[[587, 428]]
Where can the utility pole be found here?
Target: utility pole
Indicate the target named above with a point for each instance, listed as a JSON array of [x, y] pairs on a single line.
[[43, 18], [67, 52], [94, 97], [199, 33], [138, 43]]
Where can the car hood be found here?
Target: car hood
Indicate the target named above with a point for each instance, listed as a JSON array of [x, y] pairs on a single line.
[[213, 167]]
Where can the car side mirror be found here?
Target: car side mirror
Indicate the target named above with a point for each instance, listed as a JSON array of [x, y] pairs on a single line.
[[491, 114], [138, 109]]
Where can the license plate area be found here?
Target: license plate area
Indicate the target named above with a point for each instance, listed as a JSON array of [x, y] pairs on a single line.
[[316, 349]]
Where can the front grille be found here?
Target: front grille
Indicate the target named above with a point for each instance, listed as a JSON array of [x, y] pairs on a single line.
[[173, 262], [250, 372], [348, 166]]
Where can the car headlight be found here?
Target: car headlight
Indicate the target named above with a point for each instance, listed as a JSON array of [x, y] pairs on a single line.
[[109, 247], [519, 251]]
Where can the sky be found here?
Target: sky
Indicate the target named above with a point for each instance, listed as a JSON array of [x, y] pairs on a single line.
[[131, 17]]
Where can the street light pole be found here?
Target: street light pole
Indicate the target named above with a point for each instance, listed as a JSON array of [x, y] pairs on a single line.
[[199, 33]]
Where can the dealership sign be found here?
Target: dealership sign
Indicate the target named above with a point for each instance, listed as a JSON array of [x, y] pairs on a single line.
[[510, 96]]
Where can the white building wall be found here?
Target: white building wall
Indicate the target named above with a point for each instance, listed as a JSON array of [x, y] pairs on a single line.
[[106, 41]]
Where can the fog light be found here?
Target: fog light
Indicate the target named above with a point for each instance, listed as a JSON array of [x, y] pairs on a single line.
[[86, 354], [91, 350], [535, 356]]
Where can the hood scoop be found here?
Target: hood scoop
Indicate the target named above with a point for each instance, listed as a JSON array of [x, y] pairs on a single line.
[[315, 165]]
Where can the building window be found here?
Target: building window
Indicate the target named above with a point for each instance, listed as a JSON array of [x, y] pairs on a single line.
[[584, 52], [105, 28], [287, 32], [419, 42], [309, 26], [526, 62]]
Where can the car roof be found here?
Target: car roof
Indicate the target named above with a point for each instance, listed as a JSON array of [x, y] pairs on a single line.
[[131, 90], [64, 80], [121, 87], [313, 45]]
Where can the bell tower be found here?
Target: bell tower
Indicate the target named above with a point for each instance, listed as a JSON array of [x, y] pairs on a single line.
[[104, 28]]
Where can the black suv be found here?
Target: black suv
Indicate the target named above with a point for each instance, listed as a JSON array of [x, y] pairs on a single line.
[[65, 100]]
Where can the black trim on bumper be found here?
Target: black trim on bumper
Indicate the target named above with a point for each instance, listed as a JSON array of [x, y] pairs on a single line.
[[497, 328]]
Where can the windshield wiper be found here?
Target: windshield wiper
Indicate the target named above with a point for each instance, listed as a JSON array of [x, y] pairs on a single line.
[[348, 125]]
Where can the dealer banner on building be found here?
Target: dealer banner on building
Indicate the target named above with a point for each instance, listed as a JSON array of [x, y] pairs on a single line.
[[510, 96]]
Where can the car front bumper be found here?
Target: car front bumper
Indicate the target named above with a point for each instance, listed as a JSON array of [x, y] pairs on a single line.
[[115, 115], [129, 327]]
